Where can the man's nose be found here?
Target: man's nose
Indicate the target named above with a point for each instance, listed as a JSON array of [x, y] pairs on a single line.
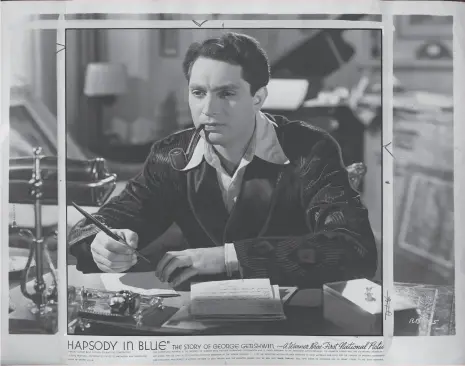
[[210, 106]]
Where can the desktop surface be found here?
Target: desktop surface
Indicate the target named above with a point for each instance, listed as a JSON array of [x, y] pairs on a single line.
[[304, 313]]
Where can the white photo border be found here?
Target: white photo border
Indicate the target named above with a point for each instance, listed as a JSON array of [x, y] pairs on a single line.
[[400, 349]]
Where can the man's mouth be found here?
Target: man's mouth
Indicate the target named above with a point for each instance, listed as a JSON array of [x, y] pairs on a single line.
[[212, 125]]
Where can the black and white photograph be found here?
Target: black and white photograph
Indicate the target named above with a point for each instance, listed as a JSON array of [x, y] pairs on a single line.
[[225, 186], [423, 146], [185, 185], [33, 185]]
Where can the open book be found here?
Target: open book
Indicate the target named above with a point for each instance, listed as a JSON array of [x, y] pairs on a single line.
[[236, 300]]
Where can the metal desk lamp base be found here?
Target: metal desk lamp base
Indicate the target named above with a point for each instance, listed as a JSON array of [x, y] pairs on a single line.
[[44, 300], [88, 183]]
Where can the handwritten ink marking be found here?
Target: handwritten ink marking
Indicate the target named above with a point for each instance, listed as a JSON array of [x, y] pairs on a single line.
[[199, 24], [369, 294], [422, 318], [386, 148], [62, 47], [387, 182], [387, 306]]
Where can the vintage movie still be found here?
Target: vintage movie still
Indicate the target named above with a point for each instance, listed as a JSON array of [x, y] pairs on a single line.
[[423, 147], [224, 188], [194, 187]]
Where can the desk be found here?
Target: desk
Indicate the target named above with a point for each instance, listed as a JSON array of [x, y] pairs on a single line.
[[304, 321], [437, 303]]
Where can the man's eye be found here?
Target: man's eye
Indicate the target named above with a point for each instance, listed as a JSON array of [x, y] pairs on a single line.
[[198, 93], [226, 94]]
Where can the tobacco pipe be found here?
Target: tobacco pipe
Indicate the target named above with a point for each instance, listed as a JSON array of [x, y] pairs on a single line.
[[178, 157]]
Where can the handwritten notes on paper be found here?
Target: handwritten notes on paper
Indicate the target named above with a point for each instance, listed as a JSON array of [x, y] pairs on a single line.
[[235, 289], [236, 300]]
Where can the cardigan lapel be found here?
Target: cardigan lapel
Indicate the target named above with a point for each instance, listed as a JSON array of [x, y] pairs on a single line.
[[206, 201], [252, 210]]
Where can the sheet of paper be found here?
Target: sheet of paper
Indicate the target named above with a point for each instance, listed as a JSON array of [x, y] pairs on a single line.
[[285, 94], [276, 293], [235, 289], [184, 320], [286, 292], [144, 283], [356, 292], [311, 298], [236, 299]]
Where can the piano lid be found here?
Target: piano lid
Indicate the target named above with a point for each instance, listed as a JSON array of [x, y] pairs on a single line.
[[323, 53]]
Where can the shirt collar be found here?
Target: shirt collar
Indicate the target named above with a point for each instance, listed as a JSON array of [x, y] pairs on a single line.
[[264, 144]]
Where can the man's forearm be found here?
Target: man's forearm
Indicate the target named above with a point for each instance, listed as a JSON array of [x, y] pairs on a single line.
[[85, 261], [309, 260], [80, 238]]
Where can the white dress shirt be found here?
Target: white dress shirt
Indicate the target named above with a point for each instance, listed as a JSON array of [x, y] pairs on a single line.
[[263, 144]]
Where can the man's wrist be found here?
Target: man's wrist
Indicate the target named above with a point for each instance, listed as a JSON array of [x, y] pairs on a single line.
[[230, 259]]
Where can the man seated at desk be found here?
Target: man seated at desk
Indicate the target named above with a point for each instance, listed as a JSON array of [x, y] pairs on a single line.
[[257, 195]]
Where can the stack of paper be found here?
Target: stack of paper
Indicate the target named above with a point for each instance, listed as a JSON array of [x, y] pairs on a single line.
[[236, 300]]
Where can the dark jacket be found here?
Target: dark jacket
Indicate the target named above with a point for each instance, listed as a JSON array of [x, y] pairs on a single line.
[[300, 224]]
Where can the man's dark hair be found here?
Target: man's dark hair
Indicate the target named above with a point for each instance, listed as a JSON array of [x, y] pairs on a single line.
[[235, 49]]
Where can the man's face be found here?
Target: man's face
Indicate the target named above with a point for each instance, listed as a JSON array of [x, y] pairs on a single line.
[[220, 99]]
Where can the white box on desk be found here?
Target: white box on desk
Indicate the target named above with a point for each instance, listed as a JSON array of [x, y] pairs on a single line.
[[356, 306]]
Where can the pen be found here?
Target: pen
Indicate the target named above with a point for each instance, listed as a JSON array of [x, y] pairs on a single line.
[[107, 231], [165, 296]]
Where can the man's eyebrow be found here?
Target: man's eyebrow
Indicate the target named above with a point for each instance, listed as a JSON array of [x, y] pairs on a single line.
[[218, 88]]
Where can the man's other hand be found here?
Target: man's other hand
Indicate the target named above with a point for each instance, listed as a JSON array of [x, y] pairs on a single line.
[[111, 255], [189, 263]]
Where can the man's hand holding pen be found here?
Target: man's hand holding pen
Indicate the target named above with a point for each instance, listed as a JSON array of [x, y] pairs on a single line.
[[111, 255]]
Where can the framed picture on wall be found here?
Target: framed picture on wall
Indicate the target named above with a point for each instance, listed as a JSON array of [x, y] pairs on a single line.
[[424, 27], [426, 229]]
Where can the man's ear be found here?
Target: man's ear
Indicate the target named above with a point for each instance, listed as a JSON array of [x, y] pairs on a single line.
[[260, 97]]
